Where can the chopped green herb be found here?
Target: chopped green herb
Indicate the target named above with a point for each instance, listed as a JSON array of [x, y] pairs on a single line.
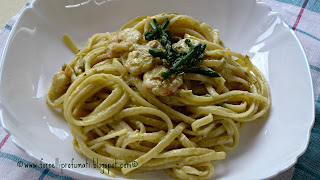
[[155, 52], [177, 62]]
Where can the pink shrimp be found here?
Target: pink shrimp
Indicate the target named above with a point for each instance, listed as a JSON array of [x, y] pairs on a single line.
[[68, 71], [159, 86], [60, 83]]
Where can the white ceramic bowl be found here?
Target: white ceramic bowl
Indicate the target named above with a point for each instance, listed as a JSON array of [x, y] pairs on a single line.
[[35, 51]]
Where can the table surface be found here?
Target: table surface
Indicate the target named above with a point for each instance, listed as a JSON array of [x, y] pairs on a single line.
[[9, 8]]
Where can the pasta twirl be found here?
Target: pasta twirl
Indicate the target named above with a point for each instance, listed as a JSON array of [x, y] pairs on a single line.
[[119, 105]]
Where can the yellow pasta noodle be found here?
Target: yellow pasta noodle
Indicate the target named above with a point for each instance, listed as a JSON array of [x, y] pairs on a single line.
[[119, 106]]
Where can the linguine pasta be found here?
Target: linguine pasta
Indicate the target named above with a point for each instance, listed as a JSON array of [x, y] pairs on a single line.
[[118, 106]]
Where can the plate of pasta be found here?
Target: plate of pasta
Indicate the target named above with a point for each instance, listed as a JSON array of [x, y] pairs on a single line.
[[157, 89]]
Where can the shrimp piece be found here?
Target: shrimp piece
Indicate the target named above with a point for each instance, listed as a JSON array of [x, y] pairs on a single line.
[[182, 46], [68, 71], [122, 42], [155, 44], [60, 83], [159, 86], [130, 35], [140, 60]]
